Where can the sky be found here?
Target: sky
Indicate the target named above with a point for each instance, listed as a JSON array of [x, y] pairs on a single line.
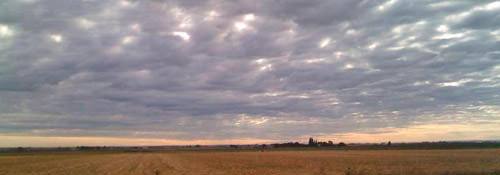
[[160, 72]]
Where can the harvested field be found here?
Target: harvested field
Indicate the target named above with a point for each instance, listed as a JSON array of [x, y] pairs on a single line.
[[341, 162]]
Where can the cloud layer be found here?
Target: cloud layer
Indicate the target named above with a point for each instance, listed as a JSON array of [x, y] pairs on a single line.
[[270, 70]]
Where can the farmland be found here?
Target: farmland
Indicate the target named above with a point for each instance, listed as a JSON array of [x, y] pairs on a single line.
[[255, 162]]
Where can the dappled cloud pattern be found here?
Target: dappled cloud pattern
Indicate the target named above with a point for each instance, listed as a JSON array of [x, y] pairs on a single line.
[[263, 70]]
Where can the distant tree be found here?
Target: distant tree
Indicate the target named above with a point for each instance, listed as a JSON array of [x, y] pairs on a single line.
[[233, 146], [263, 146], [330, 142], [288, 144], [389, 143], [342, 144], [311, 142]]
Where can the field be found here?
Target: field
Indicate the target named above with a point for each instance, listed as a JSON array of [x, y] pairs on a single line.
[[254, 162]]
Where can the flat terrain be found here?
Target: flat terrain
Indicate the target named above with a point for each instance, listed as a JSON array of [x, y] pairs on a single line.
[[304, 162]]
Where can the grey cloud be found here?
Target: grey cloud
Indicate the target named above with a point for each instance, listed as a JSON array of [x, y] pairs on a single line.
[[118, 67]]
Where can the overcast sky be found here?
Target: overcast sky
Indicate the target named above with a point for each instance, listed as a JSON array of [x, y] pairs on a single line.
[[192, 71]]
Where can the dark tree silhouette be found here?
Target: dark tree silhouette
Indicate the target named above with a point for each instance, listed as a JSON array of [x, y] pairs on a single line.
[[311, 142]]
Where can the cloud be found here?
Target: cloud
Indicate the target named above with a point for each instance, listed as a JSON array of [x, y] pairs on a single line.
[[189, 70]]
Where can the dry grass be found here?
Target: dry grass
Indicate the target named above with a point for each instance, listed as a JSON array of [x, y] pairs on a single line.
[[397, 162]]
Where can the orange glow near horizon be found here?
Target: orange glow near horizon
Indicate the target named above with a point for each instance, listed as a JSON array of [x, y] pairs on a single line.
[[38, 141], [417, 133]]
